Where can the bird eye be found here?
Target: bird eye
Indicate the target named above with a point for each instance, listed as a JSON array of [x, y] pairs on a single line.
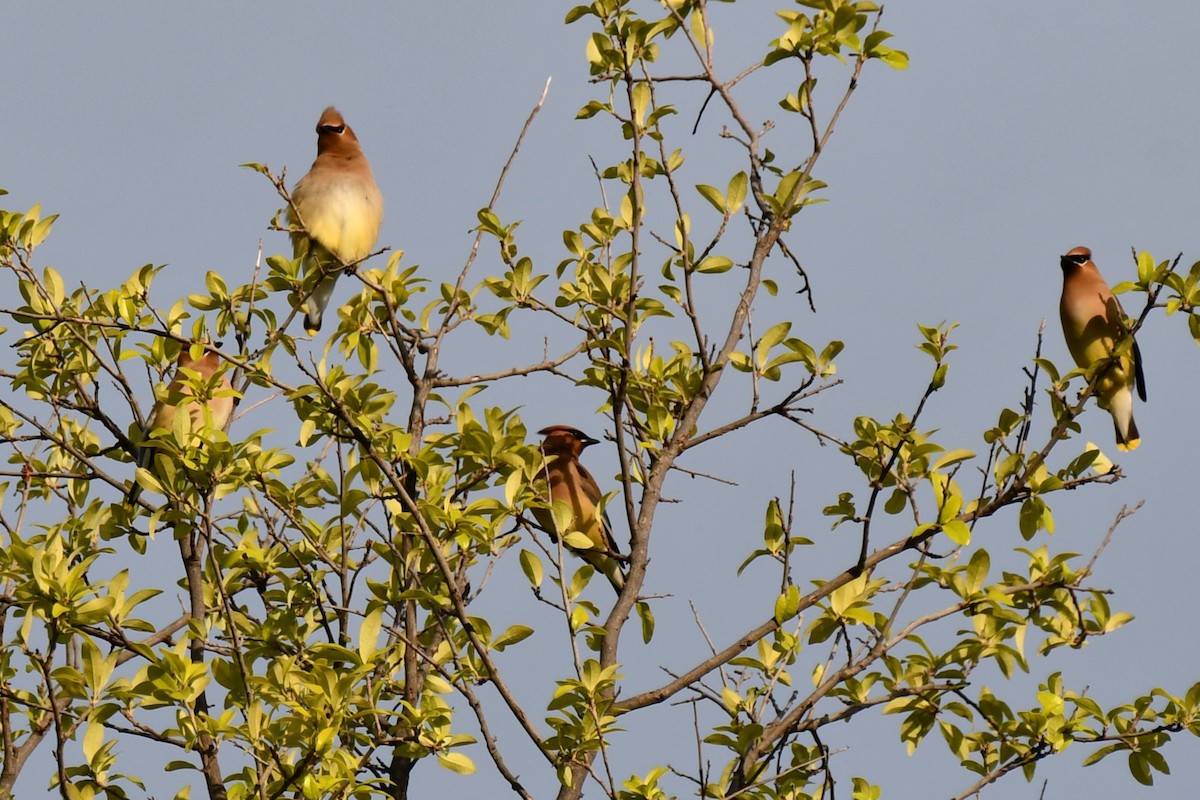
[[333, 128]]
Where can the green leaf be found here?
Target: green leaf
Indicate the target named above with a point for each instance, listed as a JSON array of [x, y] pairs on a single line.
[[896, 502], [368, 633], [1145, 267], [646, 615], [307, 429], [1101, 753], [577, 540], [787, 605], [713, 195], [1031, 516], [735, 196], [513, 635], [593, 108], [1139, 768], [92, 740], [531, 565], [714, 265], [977, 570], [952, 457], [457, 762], [54, 286], [41, 230], [896, 59]]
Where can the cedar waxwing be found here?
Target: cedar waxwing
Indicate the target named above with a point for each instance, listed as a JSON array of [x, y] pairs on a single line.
[[340, 208], [214, 411], [570, 483], [1092, 323]]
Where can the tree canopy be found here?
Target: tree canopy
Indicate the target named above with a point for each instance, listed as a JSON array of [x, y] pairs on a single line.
[[362, 587]]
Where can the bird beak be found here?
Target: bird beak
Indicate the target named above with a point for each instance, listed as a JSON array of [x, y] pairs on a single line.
[[589, 441]]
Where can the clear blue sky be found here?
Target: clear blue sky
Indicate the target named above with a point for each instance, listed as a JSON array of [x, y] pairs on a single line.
[[1020, 131]]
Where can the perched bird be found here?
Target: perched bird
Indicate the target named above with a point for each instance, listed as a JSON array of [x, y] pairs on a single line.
[[340, 209], [1092, 323], [570, 483], [213, 409]]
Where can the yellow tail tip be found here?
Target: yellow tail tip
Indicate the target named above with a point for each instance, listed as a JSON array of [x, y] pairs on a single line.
[[312, 331], [1132, 444]]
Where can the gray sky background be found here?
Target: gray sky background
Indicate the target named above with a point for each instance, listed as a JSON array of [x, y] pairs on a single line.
[[1019, 131]]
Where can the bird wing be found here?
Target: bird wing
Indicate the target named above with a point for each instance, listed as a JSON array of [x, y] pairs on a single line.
[[1138, 375], [591, 490]]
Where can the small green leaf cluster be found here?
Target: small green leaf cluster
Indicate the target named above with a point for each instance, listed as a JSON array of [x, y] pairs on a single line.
[[833, 26]]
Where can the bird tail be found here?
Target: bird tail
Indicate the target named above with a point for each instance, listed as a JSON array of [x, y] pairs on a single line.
[[1122, 414], [1130, 438], [318, 301], [145, 458], [612, 571], [608, 565]]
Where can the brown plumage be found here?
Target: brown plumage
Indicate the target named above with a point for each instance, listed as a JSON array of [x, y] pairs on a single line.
[[1092, 322], [571, 484], [340, 207], [212, 409]]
